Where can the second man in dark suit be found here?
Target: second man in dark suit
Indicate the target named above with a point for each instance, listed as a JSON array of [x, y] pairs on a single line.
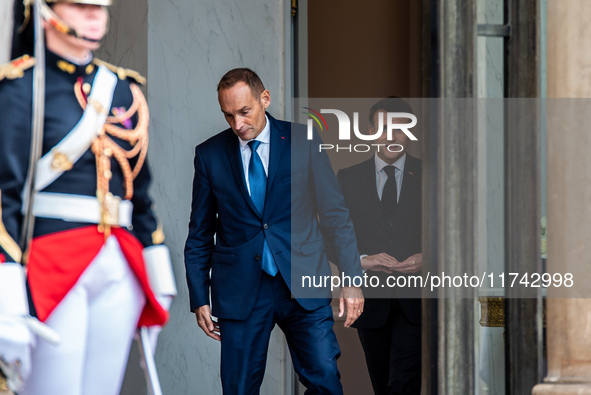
[[384, 198]]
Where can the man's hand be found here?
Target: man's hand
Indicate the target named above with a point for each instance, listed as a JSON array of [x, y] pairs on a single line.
[[412, 264], [353, 298], [381, 262], [203, 316]]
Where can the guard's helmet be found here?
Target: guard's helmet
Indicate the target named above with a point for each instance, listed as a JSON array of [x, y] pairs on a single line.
[[22, 41]]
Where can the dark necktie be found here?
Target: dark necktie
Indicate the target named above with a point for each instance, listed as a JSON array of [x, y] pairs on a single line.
[[390, 192], [257, 179]]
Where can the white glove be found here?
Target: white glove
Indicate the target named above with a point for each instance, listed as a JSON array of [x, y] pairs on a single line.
[[16, 344], [17, 327], [161, 277], [154, 331]]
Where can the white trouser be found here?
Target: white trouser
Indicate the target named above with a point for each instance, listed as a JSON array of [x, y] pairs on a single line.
[[96, 322]]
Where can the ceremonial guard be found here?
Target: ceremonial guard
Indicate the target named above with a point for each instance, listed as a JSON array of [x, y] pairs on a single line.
[[96, 266]]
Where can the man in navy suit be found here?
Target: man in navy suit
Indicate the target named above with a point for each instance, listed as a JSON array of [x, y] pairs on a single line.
[[268, 195]]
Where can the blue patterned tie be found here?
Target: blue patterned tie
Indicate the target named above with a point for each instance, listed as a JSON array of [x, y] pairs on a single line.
[[257, 179]]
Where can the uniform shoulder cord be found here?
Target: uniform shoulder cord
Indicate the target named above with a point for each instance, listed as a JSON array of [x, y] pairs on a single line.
[[104, 147]]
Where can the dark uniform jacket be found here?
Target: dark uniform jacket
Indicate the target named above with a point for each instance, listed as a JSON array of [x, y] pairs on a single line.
[[62, 113]]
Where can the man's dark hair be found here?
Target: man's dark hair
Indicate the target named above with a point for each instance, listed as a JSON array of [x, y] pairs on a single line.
[[389, 104], [245, 75]]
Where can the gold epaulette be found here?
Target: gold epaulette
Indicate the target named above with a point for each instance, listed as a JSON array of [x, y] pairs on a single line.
[[121, 72], [16, 68]]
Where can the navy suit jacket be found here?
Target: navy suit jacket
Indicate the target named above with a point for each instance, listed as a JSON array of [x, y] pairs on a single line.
[[304, 217]]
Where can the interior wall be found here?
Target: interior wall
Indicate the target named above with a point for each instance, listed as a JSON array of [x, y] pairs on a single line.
[[364, 49]]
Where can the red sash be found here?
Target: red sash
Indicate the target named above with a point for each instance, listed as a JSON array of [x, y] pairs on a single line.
[[57, 261]]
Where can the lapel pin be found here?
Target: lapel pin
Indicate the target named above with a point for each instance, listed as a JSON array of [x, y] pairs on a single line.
[[411, 173], [283, 138]]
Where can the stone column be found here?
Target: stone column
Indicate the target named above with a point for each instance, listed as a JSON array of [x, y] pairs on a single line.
[[569, 193], [449, 199]]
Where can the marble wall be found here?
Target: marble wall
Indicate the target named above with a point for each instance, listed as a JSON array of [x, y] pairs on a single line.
[[126, 42]]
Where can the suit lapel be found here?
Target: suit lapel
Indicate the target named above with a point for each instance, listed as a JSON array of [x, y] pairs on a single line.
[[279, 139], [409, 184], [235, 159], [371, 193]]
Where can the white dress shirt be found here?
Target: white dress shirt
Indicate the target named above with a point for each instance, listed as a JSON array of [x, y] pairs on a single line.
[[265, 138], [382, 177]]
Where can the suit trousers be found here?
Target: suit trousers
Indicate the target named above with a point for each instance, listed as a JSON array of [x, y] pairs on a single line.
[[312, 342], [96, 322], [393, 354]]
